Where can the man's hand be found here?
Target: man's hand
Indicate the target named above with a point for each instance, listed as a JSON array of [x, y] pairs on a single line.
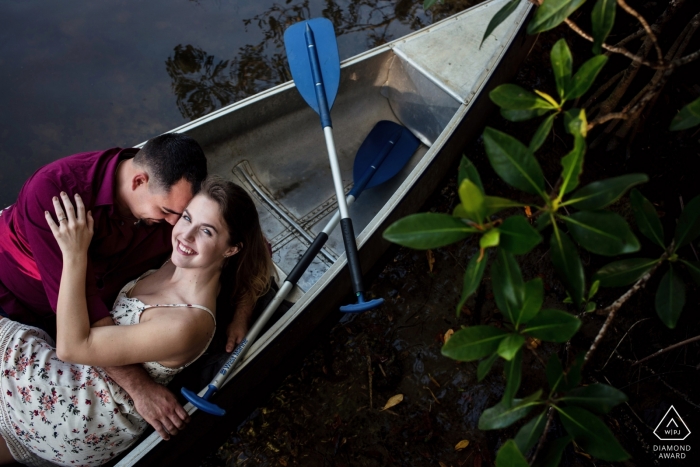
[[238, 328], [155, 403]]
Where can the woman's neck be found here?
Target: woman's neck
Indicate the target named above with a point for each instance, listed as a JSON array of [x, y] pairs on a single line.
[[191, 282]]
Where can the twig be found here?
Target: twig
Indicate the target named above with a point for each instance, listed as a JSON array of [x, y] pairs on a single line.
[[645, 25], [667, 349], [618, 344], [602, 89], [605, 118], [432, 394], [550, 416], [369, 372], [612, 309]]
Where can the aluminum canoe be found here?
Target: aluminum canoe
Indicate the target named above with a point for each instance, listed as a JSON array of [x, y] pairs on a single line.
[[435, 82]]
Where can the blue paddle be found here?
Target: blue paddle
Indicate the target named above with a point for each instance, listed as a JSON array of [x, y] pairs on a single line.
[[312, 53], [384, 152]]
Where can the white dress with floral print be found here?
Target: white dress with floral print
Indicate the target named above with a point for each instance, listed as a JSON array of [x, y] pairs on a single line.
[[52, 412]]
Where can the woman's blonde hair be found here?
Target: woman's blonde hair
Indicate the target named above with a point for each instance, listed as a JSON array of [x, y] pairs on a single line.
[[247, 274]]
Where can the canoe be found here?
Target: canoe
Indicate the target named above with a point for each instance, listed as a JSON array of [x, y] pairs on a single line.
[[435, 82]]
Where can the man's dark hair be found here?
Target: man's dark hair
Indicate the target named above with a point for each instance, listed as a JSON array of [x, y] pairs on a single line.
[[171, 157]]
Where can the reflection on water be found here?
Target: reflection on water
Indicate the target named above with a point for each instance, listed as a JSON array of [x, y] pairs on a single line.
[[84, 76]]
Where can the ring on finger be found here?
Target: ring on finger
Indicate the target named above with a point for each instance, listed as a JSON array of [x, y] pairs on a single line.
[[61, 219]]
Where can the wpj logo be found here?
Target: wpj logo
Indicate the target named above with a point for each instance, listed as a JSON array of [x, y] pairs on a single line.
[[672, 428]]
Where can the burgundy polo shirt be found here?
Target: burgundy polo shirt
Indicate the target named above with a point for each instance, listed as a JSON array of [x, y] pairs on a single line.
[[31, 261]]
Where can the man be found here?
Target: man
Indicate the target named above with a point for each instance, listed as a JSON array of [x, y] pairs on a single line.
[[135, 196]]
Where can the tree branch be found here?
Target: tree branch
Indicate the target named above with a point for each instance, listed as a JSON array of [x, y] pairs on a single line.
[[646, 27], [667, 349], [612, 309]]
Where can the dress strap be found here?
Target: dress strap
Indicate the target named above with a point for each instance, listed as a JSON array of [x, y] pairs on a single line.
[[186, 305]]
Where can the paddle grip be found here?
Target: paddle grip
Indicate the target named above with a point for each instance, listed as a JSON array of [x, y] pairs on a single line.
[[305, 260], [323, 110], [352, 255]]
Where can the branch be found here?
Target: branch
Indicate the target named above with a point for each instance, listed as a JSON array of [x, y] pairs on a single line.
[[612, 309], [605, 118], [667, 349], [550, 416], [645, 25]]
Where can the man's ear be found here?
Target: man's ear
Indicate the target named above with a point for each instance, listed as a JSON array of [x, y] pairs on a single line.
[[141, 178]]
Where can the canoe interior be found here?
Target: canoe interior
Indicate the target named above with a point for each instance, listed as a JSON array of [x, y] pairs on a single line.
[[276, 150]]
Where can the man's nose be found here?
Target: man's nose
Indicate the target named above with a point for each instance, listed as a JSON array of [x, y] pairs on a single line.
[[172, 218]]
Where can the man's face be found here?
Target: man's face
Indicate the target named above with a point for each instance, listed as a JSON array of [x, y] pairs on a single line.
[[155, 206]]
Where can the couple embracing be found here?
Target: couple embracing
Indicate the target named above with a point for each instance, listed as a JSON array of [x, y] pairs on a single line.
[[120, 256]]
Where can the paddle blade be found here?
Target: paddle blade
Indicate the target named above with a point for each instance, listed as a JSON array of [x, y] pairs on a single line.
[[300, 65], [405, 144]]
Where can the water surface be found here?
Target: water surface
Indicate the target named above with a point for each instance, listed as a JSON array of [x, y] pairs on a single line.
[[80, 76]]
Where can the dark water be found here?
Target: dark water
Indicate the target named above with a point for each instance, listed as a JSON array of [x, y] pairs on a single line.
[[79, 76]]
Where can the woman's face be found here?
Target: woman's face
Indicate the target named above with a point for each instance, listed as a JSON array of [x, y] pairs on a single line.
[[200, 237]]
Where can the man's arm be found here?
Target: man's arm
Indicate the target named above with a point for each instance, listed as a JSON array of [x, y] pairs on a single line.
[[155, 403], [238, 328]]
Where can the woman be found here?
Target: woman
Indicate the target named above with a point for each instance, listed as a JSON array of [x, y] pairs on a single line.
[[72, 413]]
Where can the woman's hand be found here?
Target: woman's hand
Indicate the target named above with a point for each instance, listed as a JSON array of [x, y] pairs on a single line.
[[74, 229]]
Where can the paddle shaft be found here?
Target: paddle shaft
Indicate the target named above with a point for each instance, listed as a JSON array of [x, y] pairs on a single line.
[[303, 264], [345, 221]]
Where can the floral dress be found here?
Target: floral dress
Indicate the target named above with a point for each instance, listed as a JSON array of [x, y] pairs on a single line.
[[53, 412]]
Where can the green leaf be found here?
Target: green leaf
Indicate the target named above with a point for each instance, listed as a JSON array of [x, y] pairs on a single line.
[[647, 219], [585, 76], [555, 373], [499, 17], [485, 366], [551, 456], [500, 416], [594, 289], [542, 132], [602, 20], [467, 171], [507, 284], [598, 195], [510, 346], [670, 298], [572, 165], [473, 343], [694, 269], [590, 307], [688, 117], [599, 398], [513, 162], [572, 376], [472, 199], [688, 227], [513, 97], [534, 297], [591, 434], [427, 230], [602, 232], [496, 204], [427, 4], [510, 456], [575, 122], [551, 14], [472, 278], [623, 272], [490, 239], [518, 236], [567, 264], [542, 222], [522, 115], [513, 370], [562, 66], [552, 326], [530, 433]]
